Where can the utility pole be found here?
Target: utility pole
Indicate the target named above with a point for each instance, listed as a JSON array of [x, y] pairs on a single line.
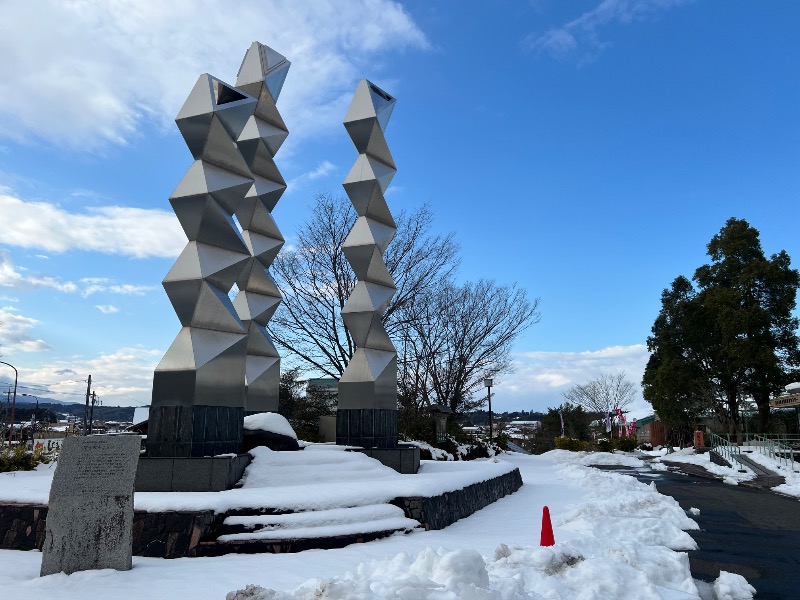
[[5, 414], [91, 413], [86, 407]]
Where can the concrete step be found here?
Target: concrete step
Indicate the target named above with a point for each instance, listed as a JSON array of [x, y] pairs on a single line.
[[253, 531], [336, 521]]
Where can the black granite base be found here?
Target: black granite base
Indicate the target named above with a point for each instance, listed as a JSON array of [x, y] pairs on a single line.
[[403, 459], [366, 428], [206, 474], [184, 431]]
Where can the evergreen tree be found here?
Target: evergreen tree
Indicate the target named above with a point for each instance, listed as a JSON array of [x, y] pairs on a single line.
[[730, 336]]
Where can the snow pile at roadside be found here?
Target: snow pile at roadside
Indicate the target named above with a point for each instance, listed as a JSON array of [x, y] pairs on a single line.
[[620, 535], [272, 422], [611, 459], [615, 538], [731, 586]]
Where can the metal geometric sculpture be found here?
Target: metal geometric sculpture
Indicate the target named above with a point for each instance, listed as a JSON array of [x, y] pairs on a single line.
[[261, 75], [367, 413], [199, 393]]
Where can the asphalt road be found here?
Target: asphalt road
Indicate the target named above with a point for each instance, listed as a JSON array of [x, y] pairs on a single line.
[[754, 533]]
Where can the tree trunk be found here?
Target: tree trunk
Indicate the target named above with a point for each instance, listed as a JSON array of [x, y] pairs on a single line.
[[763, 415]]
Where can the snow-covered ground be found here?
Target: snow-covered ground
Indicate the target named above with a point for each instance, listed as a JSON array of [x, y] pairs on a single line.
[[615, 538], [733, 475]]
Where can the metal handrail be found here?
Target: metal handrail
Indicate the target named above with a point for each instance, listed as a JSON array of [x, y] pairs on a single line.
[[722, 445], [777, 447]]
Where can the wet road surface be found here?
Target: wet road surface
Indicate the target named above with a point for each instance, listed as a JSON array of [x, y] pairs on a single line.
[[754, 533]]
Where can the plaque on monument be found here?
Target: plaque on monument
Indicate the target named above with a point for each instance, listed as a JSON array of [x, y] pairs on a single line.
[[90, 516]]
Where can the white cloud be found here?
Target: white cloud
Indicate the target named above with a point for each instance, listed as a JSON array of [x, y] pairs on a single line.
[[135, 232], [540, 377], [95, 285], [14, 332], [323, 169], [107, 309], [120, 378], [584, 32], [92, 70], [11, 277]]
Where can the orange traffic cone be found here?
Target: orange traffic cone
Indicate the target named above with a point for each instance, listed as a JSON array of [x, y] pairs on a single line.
[[547, 538]]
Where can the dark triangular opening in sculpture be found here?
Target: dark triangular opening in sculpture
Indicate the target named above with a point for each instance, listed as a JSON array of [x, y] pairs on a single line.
[[226, 95]]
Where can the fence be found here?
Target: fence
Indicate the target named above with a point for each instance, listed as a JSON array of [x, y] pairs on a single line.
[[778, 446]]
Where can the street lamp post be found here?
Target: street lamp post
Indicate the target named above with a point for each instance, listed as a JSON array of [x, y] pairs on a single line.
[[488, 383], [13, 402]]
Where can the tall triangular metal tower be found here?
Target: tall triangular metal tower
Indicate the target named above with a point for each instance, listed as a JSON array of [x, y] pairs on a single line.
[[367, 413], [222, 362]]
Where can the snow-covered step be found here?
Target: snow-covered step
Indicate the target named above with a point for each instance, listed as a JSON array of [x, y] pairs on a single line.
[[317, 523], [312, 529], [308, 525]]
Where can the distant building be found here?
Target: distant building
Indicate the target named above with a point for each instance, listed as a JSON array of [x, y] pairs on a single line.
[[327, 385]]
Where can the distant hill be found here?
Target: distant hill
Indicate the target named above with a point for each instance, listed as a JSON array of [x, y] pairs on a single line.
[[52, 411], [42, 400]]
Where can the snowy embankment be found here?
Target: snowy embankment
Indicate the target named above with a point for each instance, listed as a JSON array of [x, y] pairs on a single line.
[[615, 538], [317, 478]]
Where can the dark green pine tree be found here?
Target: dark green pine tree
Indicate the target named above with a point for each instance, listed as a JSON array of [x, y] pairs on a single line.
[[730, 337]]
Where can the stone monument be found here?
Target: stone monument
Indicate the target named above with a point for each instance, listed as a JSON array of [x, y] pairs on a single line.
[[90, 515]]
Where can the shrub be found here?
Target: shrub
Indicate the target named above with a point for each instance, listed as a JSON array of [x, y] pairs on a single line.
[[604, 445], [571, 444], [626, 444], [20, 459]]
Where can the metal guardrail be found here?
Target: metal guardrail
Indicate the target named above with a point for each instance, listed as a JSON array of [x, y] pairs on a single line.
[[721, 443], [779, 447]]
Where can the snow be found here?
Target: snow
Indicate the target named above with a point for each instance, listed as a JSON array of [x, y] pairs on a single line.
[[792, 485], [730, 586], [322, 523], [611, 459], [615, 538], [269, 422], [730, 475], [283, 480]]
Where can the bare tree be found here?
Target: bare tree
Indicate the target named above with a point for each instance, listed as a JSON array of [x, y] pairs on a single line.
[[460, 335], [316, 280], [449, 337], [604, 394]]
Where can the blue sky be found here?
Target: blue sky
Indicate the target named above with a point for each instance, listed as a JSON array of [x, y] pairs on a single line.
[[587, 150]]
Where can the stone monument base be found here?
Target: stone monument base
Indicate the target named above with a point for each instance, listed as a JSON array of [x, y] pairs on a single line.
[[203, 474], [176, 430], [367, 427], [403, 459]]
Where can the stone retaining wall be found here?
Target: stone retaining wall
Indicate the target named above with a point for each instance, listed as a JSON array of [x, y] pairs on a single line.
[[438, 512], [165, 535], [178, 534]]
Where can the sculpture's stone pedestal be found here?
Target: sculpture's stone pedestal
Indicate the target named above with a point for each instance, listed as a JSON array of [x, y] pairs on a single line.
[[206, 474], [366, 427], [403, 459], [184, 431]]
